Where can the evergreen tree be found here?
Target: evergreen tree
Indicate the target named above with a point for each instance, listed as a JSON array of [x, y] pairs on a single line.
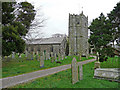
[[13, 29], [100, 35], [114, 18]]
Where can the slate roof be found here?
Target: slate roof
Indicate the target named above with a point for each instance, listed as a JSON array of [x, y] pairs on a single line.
[[51, 40]]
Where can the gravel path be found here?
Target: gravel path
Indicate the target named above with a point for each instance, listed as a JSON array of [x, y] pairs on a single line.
[[10, 81]]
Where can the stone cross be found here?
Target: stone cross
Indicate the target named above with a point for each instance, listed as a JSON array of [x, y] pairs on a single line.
[[80, 72], [74, 67], [41, 61]]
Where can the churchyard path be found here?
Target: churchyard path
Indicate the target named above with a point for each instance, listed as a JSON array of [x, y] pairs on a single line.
[[11, 81]]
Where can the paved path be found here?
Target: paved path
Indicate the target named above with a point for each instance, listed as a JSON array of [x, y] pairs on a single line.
[[10, 81]]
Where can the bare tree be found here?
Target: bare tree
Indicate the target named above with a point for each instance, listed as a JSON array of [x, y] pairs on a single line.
[[35, 30]]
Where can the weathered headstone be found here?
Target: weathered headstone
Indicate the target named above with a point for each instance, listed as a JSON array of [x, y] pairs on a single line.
[[48, 56], [41, 61], [63, 54], [43, 56], [28, 56], [74, 67], [97, 65], [55, 57], [13, 55], [62, 57], [59, 57], [80, 72], [32, 56], [37, 55], [52, 58], [20, 56]]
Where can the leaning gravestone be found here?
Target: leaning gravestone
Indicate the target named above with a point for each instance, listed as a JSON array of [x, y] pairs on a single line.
[[41, 61], [80, 72], [74, 67]]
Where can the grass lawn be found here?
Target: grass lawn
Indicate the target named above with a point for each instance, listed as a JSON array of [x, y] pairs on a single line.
[[63, 80], [20, 66], [111, 63]]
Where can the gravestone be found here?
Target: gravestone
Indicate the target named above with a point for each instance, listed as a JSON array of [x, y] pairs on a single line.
[[55, 57], [13, 55], [48, 56], [74, 67], [97, 65], [59, 56], [52, 58], [28, 56], [41, 61], [62, 57], [37, 55], [32, 56], [20, 56], [80, 72], [63, 54], [43, 56]]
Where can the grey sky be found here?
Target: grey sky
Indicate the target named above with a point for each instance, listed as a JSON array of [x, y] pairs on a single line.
[[57, 12]]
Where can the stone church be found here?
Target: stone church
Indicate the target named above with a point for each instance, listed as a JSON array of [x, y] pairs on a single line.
[[78, 34], [47, 45], [77, 37]]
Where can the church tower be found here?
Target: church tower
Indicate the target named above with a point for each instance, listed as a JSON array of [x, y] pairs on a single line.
[[78, 34]]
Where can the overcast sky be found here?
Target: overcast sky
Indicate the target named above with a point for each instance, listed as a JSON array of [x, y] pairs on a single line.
[[57, 12]]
